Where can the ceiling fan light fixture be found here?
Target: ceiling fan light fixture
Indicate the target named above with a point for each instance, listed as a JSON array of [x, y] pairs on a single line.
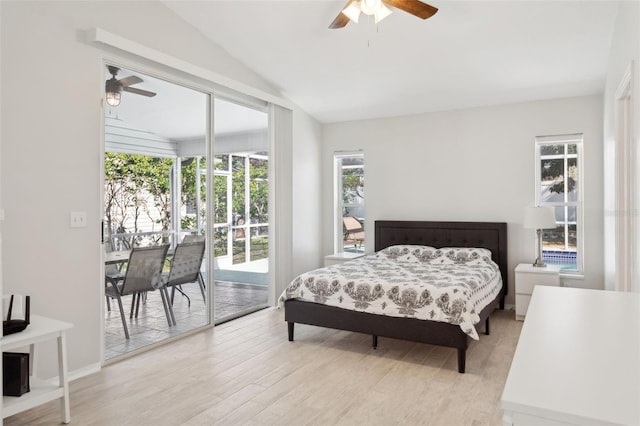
[[352, 11], [379, 10], [113, 92], [382, 13], [370, 7]]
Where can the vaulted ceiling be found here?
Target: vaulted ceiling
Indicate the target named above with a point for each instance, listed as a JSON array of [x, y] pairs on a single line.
[[471, 53]]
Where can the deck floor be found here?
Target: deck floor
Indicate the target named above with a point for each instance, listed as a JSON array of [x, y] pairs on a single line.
[[151, 326]]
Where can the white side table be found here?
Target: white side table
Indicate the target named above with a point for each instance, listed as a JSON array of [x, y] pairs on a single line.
[[529, 276], [40, 330], [335, 258]]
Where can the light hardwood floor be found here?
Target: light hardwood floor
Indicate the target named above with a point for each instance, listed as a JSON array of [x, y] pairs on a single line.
[[246, 372]]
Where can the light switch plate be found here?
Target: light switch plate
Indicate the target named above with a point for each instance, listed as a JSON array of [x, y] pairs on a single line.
[[78, 219]]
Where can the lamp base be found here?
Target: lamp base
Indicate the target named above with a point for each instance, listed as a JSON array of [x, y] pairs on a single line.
[[539, 263]]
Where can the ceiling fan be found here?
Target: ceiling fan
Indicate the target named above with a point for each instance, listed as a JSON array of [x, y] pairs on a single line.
[[379, 11], [114, 87]]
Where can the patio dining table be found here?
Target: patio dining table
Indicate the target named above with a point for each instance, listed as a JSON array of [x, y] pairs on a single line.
[[121, 256], [115, 257]]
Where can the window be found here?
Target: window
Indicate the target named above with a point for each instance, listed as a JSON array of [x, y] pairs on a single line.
[[349, 202], [559, 184]]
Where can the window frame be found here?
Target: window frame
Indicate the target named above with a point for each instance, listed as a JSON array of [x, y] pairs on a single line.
[[338, 204], [567, 139]]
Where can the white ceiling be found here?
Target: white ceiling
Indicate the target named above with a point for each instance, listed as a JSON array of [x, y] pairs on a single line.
[[471, 53]]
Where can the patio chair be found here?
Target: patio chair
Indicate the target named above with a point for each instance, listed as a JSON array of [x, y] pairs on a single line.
[[354, 231], [144, 269], [111, 269], [190, 238], [185, 268]]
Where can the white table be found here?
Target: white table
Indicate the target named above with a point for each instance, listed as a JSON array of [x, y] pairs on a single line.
[[39, 330], [115, 257], [121, 256], [577, 361]]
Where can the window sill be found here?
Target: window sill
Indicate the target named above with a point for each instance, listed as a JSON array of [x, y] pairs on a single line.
[[572, 276]]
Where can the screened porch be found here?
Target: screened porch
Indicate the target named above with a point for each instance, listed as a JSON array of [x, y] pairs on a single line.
[[157, 178]]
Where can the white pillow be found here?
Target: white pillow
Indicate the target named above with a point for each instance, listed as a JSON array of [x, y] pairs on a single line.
[[408, 252], [465, 255]]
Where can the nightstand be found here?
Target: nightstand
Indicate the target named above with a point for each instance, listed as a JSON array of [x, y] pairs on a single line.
[[335, 258], [529, 276]]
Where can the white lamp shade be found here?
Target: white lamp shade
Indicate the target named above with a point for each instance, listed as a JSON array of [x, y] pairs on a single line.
[[352, 11], [540, 217]]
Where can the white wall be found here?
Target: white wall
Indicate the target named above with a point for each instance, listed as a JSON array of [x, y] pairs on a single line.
[[307, 181], [625, 48], [52, 83], [471, 165]]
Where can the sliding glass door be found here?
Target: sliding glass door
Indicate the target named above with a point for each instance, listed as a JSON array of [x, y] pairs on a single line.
[[241, 192], [154, 194], [160, 157]]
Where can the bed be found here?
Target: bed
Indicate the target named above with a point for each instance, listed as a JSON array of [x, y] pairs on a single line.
[[491, 236]]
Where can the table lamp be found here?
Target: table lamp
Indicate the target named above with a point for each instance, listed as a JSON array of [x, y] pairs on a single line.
[[539, 218]]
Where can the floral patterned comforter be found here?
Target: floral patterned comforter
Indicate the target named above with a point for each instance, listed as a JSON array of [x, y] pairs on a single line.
[[450, 284]]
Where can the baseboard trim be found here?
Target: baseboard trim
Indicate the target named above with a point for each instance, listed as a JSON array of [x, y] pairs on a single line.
[[84, 371]]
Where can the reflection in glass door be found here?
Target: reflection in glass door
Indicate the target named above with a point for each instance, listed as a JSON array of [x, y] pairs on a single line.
[[241, 192]]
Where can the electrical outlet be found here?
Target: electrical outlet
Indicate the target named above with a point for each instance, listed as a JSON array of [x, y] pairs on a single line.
[[78, 219]]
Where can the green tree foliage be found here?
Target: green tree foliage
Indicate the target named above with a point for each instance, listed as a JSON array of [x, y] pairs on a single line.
[[220, 190], [133, 185], [352, 185], [136, 184], [238, 199], [220, 199], [553, 169], [188, 175], [259, 190], [189, 178]]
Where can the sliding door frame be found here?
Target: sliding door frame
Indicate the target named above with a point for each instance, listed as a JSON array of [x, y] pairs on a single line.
[[143, 60]]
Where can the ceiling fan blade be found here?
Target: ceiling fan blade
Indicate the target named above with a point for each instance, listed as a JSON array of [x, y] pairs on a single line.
[[414, 7], [128, 81], [341, 20], [138, 91]]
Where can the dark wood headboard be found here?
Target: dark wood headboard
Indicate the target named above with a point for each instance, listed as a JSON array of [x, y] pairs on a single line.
[[490, 235]]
